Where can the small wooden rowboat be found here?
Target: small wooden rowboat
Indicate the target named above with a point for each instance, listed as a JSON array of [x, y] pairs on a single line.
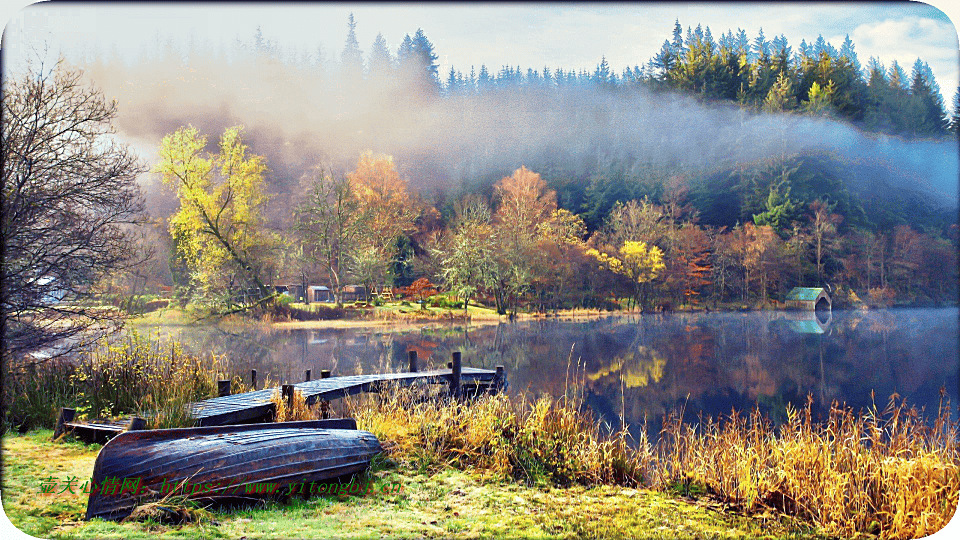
[[224, 462]]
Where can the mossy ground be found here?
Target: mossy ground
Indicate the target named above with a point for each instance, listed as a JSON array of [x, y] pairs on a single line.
[[449, 504]]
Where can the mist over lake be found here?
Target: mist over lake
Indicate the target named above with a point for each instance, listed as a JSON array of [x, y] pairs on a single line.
[[644, 366]]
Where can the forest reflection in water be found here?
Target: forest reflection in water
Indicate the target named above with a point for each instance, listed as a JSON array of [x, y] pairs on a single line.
[[640, 367]]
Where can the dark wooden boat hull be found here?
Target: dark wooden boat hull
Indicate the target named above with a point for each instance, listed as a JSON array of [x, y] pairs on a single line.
[[224, 462]]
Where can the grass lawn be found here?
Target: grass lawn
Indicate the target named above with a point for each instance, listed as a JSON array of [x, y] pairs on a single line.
[[450, 503]]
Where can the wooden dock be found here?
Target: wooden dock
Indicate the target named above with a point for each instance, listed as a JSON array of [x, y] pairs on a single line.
[[257, 406]]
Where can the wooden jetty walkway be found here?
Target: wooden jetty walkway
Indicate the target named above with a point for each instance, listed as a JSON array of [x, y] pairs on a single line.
[[257, 405], [250, 406]]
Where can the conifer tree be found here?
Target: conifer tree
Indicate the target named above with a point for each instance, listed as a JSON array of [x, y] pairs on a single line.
[[352, 58], [381, 63]]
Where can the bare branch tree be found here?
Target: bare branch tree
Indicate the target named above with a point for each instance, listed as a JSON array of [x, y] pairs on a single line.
[[69, 197]]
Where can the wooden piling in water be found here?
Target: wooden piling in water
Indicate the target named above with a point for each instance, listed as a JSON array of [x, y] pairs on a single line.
[[324, 373], [457, 369], [412, 355], [223, 388]]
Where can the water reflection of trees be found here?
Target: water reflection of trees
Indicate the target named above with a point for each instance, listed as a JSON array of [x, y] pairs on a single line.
[[644, 366]]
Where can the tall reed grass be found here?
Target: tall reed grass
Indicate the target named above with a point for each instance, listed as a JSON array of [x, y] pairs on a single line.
[[137, 374], [33, 393], [887, 472]]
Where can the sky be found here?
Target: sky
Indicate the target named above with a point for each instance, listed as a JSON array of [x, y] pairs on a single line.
[[567, 35]]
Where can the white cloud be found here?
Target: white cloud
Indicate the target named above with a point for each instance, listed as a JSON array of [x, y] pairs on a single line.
[[908, 38]]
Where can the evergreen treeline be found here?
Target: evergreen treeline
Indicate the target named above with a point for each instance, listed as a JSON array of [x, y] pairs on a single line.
[[759, 73], [707, 174]]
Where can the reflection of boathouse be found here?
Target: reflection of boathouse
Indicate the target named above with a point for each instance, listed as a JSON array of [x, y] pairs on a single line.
[[809, 298], [810, 322]]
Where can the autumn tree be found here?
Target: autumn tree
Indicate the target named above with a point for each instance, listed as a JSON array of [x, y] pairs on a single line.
[[525, 203], [823, 230], [69, 190], [561, 246], [468, 259], [636, 261], [421, 289], [218, 227], [635, 220], [762, 256], [689, 264], [385, 211], [724, 267]]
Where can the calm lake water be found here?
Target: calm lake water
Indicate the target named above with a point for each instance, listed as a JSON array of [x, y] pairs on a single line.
[[645, 365]]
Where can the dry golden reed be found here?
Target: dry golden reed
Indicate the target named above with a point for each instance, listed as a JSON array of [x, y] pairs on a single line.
[[884, 472], [495, 435], [299, 411]]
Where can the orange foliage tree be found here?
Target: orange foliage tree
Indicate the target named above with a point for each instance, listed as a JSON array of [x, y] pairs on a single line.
[[385, 211], [420, 289]]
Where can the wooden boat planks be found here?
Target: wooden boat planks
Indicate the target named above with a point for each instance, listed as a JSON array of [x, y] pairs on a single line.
[[218, 462]]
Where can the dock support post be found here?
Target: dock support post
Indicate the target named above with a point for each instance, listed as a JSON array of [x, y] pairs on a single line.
[[324, 409], [324, 373], [306, 376], [253, 379], [412, 355], [287, 392], [223, 388], [137, 423], [66, 415], [455, 374], [498, 379]]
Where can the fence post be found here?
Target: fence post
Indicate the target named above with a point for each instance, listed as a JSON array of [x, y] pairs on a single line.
[[223, 387], [307, 376], [253, 379], [324, 373]]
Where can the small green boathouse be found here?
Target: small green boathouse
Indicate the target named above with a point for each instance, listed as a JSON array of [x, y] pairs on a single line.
[[809, 298]]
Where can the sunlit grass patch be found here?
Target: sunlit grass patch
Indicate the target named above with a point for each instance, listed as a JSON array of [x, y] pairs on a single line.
[[446, 503]]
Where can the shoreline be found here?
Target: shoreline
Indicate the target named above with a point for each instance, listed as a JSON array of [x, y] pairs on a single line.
[[389, 319]]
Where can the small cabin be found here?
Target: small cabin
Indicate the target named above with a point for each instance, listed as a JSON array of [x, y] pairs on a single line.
[[319, 293], [354, 293], [297, 292], [809, 298]]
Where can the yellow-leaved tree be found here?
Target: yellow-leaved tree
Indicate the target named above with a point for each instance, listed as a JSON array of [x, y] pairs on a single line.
[[218, 231], [637, 261]]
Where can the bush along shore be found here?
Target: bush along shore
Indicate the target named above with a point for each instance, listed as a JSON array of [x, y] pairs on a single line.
[[886, 472]]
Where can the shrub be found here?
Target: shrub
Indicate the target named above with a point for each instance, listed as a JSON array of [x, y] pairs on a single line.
[[445, 301]]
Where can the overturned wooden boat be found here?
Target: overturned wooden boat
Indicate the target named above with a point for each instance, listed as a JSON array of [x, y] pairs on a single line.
[[224, 462]]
